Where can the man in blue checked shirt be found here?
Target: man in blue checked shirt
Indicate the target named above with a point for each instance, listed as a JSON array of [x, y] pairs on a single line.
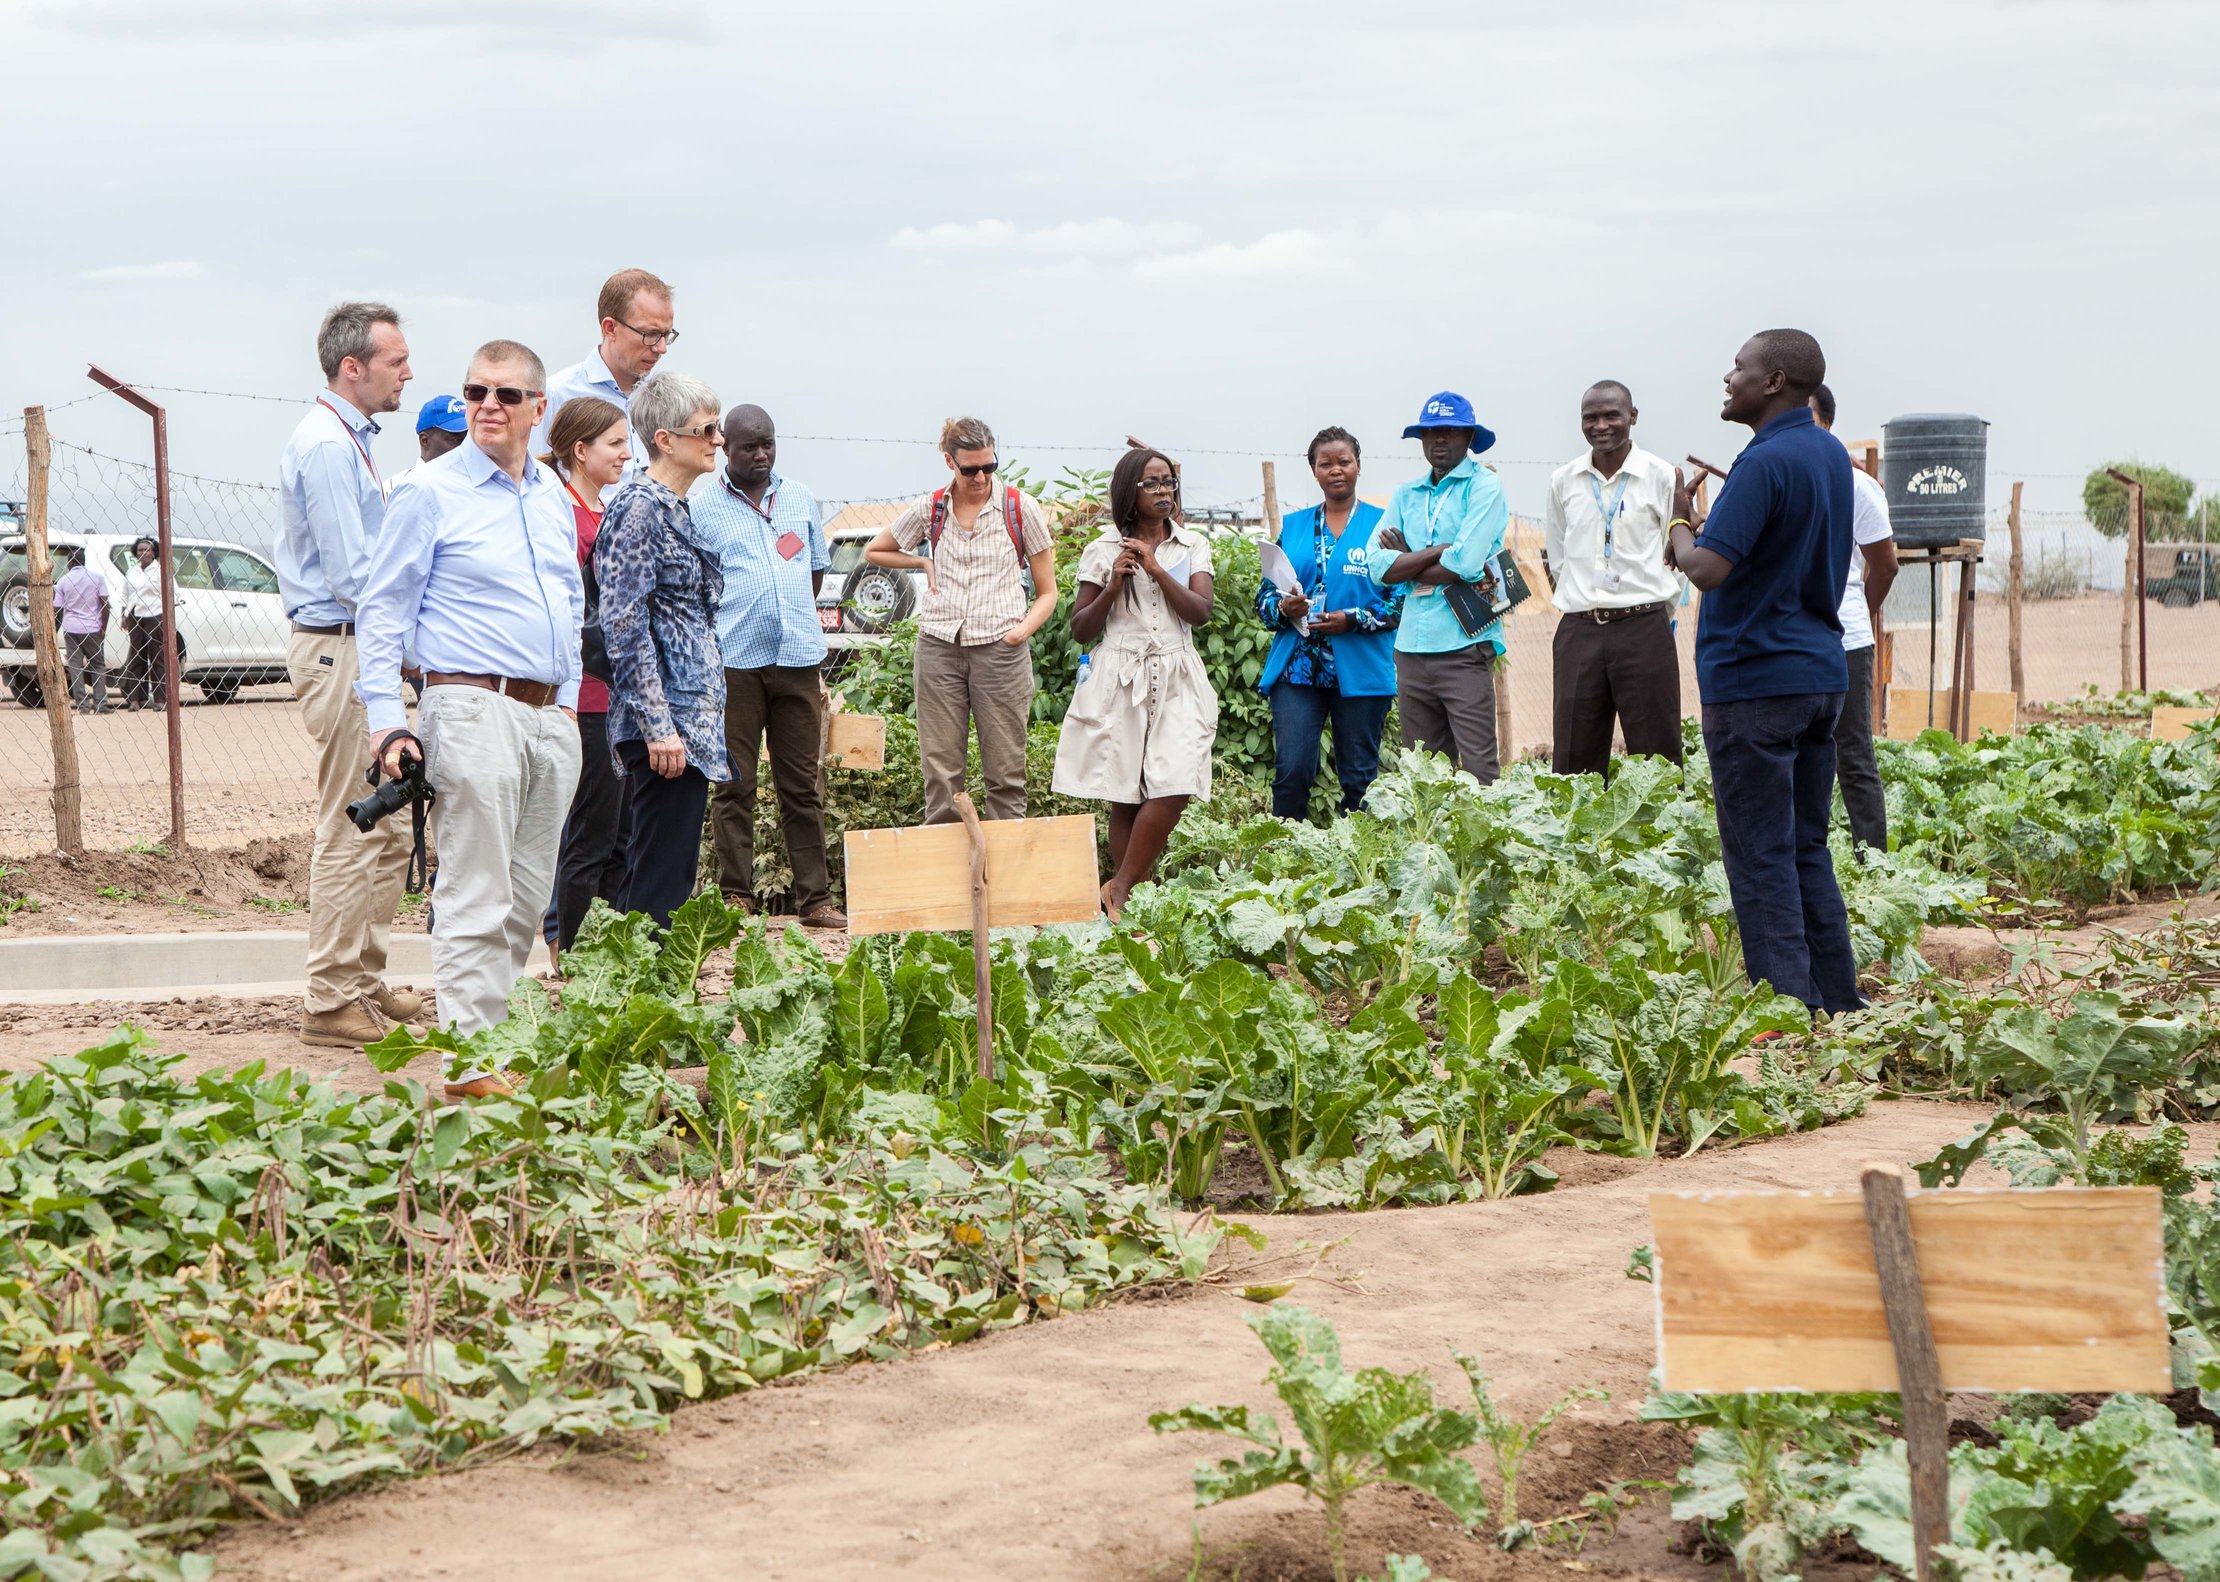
[[477, 575], [765, 528], [1441, 533]]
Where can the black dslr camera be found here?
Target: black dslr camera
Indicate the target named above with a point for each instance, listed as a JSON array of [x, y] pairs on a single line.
[[407, 790]]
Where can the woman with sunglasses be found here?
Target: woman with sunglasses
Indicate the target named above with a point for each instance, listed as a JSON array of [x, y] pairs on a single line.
[[660, 585], [990, 581], [1141, 725], [1333, 642], [588, 446]]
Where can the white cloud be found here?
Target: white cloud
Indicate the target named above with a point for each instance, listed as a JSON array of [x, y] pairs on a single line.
[[1104, 238], [168, 269], [1296, 252]]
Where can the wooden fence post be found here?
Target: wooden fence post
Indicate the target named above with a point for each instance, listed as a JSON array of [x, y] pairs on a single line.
[[2015, 596], [2133, 575], [1918, 1370], [68, 796]]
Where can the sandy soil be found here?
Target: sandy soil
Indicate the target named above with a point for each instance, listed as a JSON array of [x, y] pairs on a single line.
[[1028, 1453]]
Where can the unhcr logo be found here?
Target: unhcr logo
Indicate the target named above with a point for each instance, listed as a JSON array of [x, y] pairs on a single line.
[[1938, 479]]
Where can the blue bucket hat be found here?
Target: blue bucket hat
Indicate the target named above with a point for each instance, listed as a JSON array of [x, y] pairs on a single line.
[[442, 412], [1451, 410]]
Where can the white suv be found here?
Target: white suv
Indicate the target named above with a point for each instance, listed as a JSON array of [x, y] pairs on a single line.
[[231, 624]]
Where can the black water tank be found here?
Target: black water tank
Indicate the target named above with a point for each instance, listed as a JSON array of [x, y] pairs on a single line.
[[1935, 468]]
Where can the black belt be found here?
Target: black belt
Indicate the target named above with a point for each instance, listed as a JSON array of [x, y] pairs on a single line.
[[343, 629], [1606, 617]]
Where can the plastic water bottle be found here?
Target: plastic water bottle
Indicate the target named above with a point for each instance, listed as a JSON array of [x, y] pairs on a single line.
[[1086, 661]]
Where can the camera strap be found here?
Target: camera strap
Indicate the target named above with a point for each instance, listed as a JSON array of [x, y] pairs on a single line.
[[417, 880]]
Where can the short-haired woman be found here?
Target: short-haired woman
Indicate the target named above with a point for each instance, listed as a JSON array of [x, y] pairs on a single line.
[[974, 660], [1333, 644], [145, 682], [1141, 725], [587, 448], [660, 586]]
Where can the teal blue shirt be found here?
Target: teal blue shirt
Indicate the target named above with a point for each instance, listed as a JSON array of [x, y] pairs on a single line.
[[1467, 512]]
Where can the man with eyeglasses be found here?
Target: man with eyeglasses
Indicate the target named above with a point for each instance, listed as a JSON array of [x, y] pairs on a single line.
[[1604, 524], [477, 574], [635, 312], [980, 547], [334, 504]]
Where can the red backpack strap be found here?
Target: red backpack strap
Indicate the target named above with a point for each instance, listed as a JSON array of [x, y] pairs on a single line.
[[1013, 518], [937, 522]]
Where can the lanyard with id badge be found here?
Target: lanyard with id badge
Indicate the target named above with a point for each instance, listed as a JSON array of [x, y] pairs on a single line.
[[1611, 514]]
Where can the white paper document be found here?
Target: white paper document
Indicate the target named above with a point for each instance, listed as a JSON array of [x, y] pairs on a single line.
[[1279, 571]]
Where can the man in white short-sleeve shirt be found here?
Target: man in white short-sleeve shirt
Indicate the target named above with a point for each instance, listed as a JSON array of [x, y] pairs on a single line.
[[1872, 570]]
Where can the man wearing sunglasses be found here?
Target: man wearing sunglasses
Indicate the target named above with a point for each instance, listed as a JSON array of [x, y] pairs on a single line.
[[978, 545], [476, 574], [635, 311]]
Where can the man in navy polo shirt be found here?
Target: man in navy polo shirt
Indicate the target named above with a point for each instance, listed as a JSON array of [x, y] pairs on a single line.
[[1771, 561]]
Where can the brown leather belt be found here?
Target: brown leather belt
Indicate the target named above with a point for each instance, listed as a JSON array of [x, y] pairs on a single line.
[[532, 694], [1606, 617], [343, 629]]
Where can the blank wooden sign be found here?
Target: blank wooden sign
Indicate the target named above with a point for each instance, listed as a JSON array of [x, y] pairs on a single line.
[[2170, 722], [2061, 1289], [1992, 711], [856, 741], [1039, 870]]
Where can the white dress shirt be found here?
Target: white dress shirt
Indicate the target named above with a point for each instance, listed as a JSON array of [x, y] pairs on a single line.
[[1869, 524], [142, 590], [1615, 569], [475, 574]]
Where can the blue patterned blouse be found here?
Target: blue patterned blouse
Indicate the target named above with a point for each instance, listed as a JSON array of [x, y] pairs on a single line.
[[660, 586]]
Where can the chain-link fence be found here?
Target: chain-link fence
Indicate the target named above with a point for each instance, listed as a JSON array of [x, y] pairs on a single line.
[[246, 765]]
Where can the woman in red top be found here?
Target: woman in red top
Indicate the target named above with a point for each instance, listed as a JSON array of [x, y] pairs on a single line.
[[586, 446]]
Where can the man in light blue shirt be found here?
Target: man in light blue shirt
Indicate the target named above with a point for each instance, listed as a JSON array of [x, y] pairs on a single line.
[[334, 505], [635, 312], [1442, 534], [765, 530], [477, 575]]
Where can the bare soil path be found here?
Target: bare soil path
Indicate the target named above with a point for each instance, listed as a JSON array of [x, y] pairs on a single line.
[[1027, 1453]]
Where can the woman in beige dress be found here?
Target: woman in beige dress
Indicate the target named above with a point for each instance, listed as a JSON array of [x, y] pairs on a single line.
[[1143, 718]]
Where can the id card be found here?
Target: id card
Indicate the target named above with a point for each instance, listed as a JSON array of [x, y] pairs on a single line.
[[789, 545]]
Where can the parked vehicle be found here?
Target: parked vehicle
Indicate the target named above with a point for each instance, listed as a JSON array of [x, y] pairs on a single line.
[[2179, 575], [859, 602], [231, 626]]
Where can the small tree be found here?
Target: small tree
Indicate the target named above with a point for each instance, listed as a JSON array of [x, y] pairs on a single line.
[[2165, 499]]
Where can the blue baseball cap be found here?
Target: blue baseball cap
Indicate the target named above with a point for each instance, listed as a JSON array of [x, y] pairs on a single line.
[[1451, 410], [442, 412]]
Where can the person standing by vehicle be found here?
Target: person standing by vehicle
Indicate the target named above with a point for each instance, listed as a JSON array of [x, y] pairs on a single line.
[[974, 662], [1771, 562], [1603, 529], [1872, 574], [660, 584], [476, 573], [1333, 644], [1141, 725], [587, 451], [334, 505], [1440, 535], [635, 313], [81, 601], [772, 551], [145, 681]]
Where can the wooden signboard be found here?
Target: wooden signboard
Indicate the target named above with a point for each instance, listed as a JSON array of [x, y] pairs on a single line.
[[856, 741], [2061, 1289], [906, 880], [2171, 722], [1907, 712]]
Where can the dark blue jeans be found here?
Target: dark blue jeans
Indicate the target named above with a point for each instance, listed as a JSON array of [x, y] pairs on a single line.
[[1773, 783], [1298, 715]]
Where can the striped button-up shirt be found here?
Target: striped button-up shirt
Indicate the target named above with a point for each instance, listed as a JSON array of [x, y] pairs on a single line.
[[769, 552], [978, 590], [334, 504]]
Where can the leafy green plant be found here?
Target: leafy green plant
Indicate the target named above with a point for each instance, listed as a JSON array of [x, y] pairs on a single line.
[[1357, 1429], [1510, 1439], [277, 904], [13, 900]]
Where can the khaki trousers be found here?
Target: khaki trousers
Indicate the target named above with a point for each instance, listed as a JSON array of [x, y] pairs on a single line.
[[990, 684], [354, 880]]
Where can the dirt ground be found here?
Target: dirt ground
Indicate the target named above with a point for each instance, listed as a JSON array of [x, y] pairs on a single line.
[[1028, 1453]]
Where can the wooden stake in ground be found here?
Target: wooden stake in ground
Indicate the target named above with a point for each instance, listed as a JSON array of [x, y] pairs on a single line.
[[982, 964], [2128, 581], [1272, 503], [2015, 596], [1918, 1370], [68, 796]]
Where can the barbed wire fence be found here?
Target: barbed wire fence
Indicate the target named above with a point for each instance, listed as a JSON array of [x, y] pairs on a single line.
[[248, 767]]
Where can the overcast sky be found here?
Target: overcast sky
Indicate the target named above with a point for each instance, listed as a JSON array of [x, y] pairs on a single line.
[[1218, 226]]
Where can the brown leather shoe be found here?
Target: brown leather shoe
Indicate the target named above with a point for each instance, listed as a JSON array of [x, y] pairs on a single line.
[[349, 1027], [397, 1005], [479, 1088], [825, 916], [743, 904]]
